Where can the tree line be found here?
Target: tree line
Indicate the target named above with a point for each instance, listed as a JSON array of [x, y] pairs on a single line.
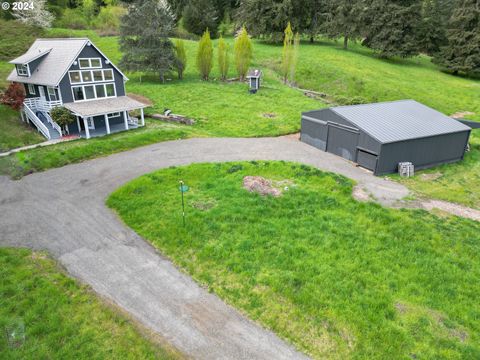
[[447, 30]]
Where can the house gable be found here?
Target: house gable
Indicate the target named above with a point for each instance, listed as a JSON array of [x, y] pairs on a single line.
[[90, 52]]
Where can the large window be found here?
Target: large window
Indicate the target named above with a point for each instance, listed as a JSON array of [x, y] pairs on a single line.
[[91, 63], [113, 115], [87, 76], [89, 92], [22, 70], [52, 94], [75, 77]]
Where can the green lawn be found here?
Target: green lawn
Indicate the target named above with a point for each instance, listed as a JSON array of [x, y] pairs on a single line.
[[13, 132], [226, 109], [62, 319], [337, 278]]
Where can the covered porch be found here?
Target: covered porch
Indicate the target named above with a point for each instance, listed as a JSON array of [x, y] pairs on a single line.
[[102, 117]]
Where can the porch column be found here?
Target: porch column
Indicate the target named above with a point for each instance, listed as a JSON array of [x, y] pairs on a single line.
[[142, 118], [78, 124], [107, 123], [87, 131], [125, 117]]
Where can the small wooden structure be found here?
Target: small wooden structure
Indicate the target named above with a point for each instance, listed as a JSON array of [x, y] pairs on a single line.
[[253, 77]]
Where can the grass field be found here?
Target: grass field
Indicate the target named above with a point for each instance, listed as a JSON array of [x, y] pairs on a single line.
[[226, 109], [62, 319], [337, 278], [13, 132]]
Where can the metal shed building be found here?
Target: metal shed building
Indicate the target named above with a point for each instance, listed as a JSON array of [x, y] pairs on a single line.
[[379, 136]]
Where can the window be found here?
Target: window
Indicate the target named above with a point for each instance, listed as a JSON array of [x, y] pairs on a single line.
[[31, 89], [113, 115], [75, 77], [90, 63], [89, 92], [52, 93], [108, 74], [86, 76], [78, 93], [97, 75], [100, 89], [95, 63], [110, 88], [22, 70]]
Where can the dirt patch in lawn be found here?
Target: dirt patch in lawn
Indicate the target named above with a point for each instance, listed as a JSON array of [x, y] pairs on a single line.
[[431, 177], [451, 208], [141, 98], [360, 194], [264, 187], [461, 114]]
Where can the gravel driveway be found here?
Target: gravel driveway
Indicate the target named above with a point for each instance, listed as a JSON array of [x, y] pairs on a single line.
[[63, 211]]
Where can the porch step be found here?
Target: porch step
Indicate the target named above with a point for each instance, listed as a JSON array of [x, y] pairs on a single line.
[[54, 134]]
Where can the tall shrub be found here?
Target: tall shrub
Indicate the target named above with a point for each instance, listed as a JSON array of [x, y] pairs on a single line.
[[205, 55], [181, 57], [199, 15], [223, 61], [296, 50], [243, 53], [287, 52]]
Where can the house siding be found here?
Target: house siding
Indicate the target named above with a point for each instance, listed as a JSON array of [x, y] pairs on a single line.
[[90, 52]]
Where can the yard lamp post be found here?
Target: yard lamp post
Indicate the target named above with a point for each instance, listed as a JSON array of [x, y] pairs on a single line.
[[183, 188]]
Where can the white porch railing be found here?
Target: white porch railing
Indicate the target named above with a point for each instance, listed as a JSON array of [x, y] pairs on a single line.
[[38, 123], [54, 124], [132, 120], [41, 104]]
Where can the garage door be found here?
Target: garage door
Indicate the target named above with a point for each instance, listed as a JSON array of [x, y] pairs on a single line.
[[342, 142], [366, 160]]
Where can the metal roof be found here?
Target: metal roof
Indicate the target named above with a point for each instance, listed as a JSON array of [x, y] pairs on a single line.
[[399, 120], [61, 55], [53, 67], [30, 56], [104, 106]]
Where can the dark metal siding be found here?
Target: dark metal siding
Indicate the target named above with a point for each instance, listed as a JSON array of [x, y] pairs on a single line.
[[423, 152], [342, 142], [314, 133], [367, 160], [89, 52]]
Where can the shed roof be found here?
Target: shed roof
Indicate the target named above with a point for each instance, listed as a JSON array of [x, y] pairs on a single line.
[[104, 106], [52, 68], [399, 120], [29, 56]]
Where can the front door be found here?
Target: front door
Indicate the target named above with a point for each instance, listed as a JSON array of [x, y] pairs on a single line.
[[41, 91]]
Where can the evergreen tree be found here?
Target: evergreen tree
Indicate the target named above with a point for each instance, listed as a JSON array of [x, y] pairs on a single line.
[[391, 27], [462, 53], [147, 48], [205, 55], [199, 15], [287, 52], [266, 17], [296, 51], [223, 61], [343, 20], [432, 31], [243, 53], [181, 57]]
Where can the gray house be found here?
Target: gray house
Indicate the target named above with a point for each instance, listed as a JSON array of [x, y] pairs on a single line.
[[379, 136], [75, 74]]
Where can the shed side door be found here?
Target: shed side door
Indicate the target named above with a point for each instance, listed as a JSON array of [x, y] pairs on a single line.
[[342, 141], [367, 160]]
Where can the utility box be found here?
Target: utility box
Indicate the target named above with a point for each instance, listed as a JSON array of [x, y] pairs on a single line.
[[406, 169], [253, 77]]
